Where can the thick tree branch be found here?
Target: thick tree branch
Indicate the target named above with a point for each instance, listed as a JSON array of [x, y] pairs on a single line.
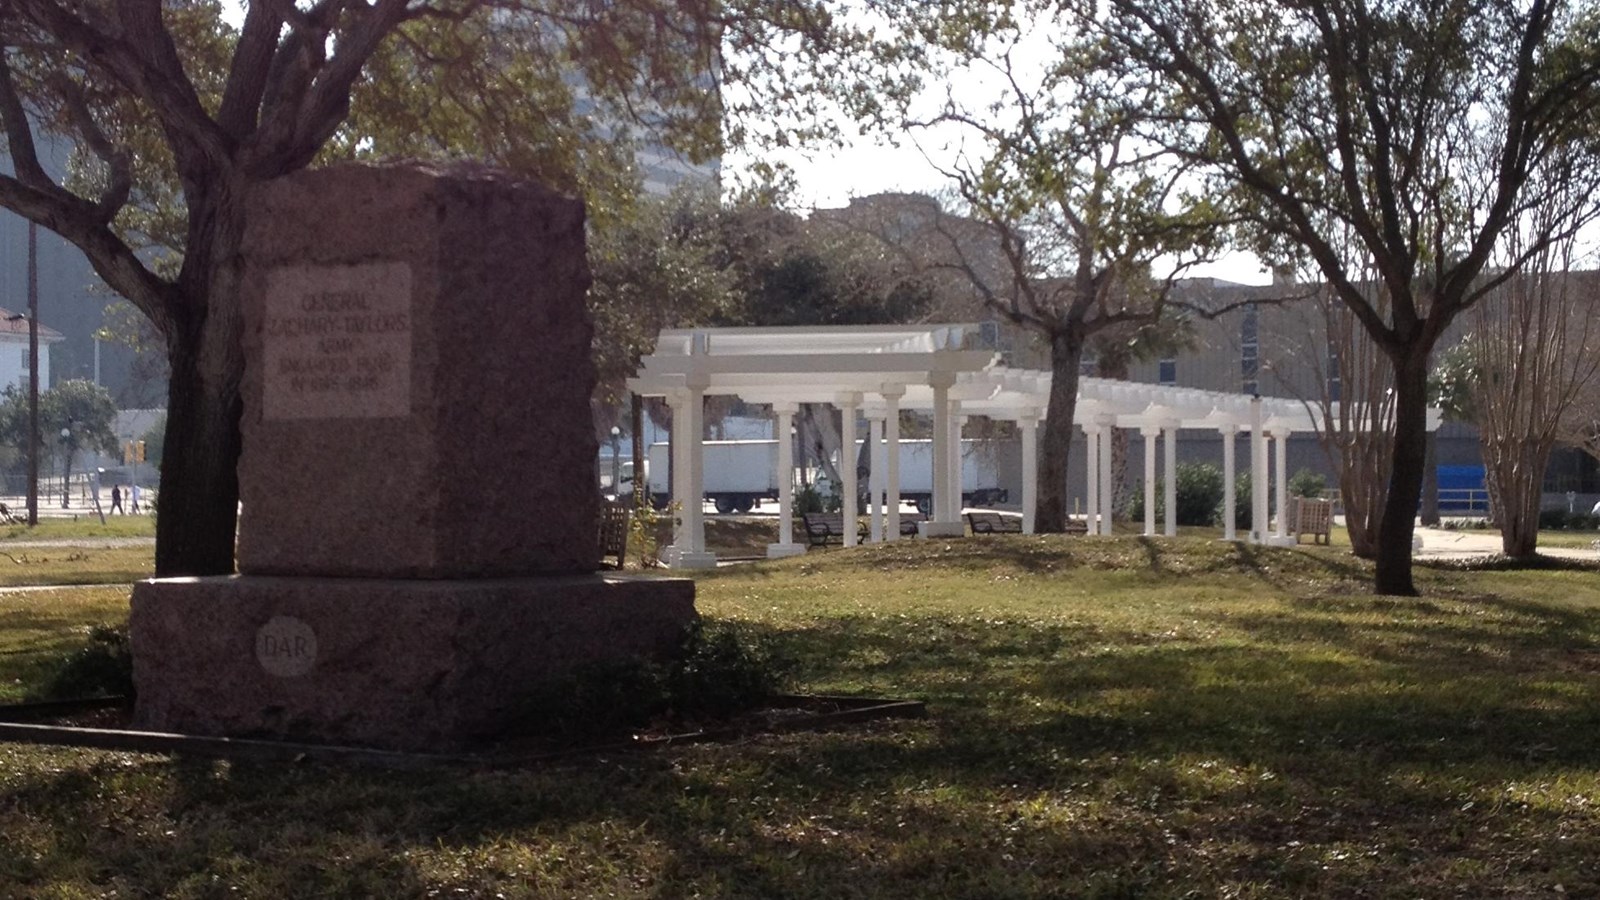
[[247, 74], [119, 167], [146, 63], [19, 132], [79, 221]]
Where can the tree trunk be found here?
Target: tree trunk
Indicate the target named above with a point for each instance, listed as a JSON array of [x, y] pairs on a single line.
[[1398, 525], [821, 421], [1364, 476], [198, 519], [1430, 484], [1522, 491], [1117, 368], [1055, 447], [1514, 474], [200, 484]]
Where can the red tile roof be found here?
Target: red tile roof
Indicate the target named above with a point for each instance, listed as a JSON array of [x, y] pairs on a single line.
[[17, 323]]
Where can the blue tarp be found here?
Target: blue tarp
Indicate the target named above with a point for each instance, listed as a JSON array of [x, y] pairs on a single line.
[[1461, 490]]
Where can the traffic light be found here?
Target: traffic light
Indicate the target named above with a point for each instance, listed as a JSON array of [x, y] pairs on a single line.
[[138, 453], [127, 453]]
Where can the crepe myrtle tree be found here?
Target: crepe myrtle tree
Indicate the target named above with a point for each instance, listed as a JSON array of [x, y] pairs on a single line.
[[1422, 129], [1090, 225], [177, 116]]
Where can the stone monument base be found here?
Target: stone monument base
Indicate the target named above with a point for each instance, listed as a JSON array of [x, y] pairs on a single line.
[[394, 664]]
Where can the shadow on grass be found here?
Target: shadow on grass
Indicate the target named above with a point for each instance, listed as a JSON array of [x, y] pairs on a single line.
[[1056, 555], [1321, 744]]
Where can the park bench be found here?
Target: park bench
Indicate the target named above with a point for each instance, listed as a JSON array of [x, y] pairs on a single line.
[[823, 528], [994, 523], [908, 524], [1313, 517], [613, 532]]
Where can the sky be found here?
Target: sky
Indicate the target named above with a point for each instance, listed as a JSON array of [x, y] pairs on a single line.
[[830, 178]]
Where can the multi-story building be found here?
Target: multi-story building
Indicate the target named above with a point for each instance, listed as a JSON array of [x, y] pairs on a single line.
[[1278, 340], [14, 351], [71, 297]]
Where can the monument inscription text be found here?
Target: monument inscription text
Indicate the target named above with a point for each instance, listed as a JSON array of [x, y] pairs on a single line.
[[336, 342], [286, 647]]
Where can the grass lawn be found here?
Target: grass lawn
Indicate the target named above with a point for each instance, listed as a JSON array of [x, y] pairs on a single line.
[[74, 565], [1108, 718], [1553, 538], [86, 525], [38, 627]]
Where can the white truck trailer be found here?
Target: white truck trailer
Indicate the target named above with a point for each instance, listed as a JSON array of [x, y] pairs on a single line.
[[980, 477], [741, 474], [738, 474]]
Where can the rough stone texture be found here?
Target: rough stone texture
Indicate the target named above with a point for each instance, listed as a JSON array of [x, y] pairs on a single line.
[[405, 665], [492, 471]]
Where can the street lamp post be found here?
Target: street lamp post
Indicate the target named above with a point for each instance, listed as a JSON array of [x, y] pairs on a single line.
[[33, 374], [66, 468], [616, 462], [32, 316]]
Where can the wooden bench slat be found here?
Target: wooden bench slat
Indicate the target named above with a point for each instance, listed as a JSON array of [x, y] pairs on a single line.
[[1313, 517], [994, 523]]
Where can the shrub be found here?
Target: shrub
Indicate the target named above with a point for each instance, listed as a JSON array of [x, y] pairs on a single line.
[[1241, 499], [1199, 495], [717, 670], [721, 670], [102, 668], [644, 533], [808, 500], [1557, 518], [1307, 483]]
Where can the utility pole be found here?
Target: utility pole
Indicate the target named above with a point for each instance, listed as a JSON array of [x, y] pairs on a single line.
[[33, 374]]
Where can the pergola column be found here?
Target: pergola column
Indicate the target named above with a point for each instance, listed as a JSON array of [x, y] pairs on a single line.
[[1029, 425], [891, 471], [945, 522], [1258, 475], [957, 463], [1091, 462], [1170, 463], [688, 438], [1150, 433], [1108, 493], [1280, 480], [678, 450], [786, 545], [847, 464], [877, 458], [1230, 498]]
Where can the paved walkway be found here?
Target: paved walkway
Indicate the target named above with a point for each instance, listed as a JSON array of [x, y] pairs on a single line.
[[81, 542], [1442, 543]]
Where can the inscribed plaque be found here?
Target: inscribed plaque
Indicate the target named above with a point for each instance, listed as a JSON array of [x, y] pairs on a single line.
[[336, 342]]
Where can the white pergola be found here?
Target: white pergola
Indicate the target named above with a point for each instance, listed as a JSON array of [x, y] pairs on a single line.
[[876, 371]]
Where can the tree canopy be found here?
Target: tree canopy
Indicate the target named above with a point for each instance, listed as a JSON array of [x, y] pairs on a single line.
[[177, 116], [1084, 224], [74, 416], [1397, 138]]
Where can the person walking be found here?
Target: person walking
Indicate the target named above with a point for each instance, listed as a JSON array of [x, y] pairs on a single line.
[[116, 499]]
